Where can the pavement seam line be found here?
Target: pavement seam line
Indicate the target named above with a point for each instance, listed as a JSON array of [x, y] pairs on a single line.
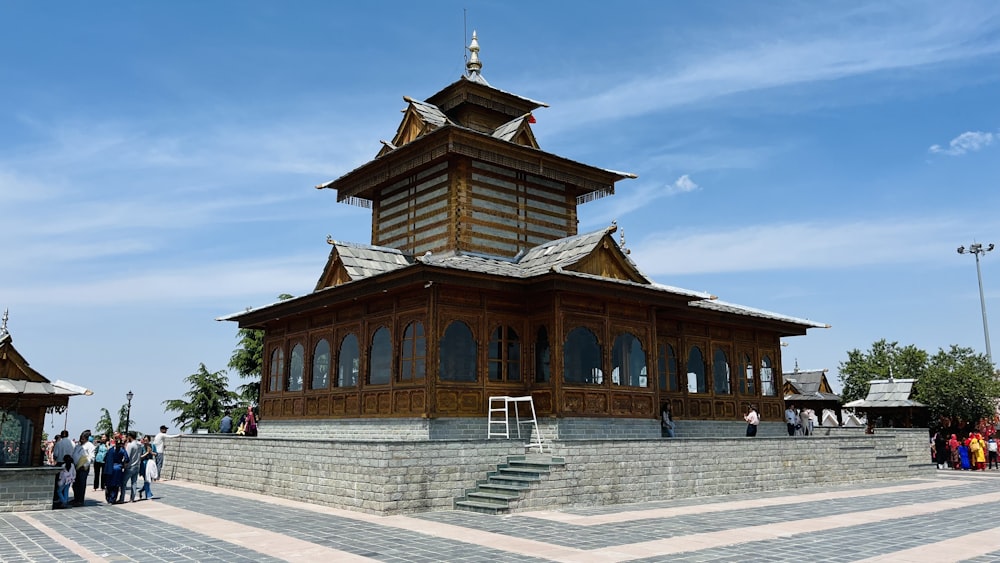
[[60, 539]]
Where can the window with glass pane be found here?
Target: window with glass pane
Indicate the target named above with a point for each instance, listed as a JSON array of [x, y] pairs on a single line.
[[321, 365], [349, 361], [380, 357], [746, 377], [543, 357], [582, 358], [458, 353], [296, 368], [413, 356], [628, 361], [277, 369], [504, 355], [697, 382], [721, 372], [766, 377]]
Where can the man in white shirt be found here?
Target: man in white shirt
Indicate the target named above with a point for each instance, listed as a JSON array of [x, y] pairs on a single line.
[[791, 418], [160, 445], [62, 448]]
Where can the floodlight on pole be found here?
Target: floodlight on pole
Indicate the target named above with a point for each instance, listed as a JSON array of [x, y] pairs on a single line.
[[978, 250]]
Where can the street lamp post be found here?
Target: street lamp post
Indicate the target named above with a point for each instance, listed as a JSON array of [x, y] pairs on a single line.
[[128, 411], [978, 250]]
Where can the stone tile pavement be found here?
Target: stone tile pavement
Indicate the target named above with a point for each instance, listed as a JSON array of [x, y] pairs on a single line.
[[950, 517]]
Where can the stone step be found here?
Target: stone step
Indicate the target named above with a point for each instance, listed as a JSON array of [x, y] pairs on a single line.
[[521, 481], [489, 498], [525, 471], [494, 494], [500, 488], [481, 507]]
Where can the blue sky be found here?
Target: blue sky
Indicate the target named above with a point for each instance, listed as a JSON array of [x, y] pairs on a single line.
[[157, 161]]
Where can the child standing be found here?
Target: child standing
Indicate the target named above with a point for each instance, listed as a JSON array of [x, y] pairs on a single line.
[[66, 477]]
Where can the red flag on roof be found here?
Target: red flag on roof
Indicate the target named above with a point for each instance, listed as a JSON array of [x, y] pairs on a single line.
[[531, 118]]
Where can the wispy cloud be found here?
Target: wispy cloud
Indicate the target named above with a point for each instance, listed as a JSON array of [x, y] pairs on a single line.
[[809, 51], [798, 246], [192, 282], [970, 141], [633, 198]]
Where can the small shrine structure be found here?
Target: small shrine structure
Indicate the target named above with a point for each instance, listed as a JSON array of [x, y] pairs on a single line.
[[890, 404], [476, 283], [26, 482], [810, 389]]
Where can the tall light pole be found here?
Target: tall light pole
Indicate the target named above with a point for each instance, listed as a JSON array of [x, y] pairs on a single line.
[[128, 411], [978, 250]]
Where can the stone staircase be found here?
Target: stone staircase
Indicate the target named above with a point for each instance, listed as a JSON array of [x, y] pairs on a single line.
[[520, 473]]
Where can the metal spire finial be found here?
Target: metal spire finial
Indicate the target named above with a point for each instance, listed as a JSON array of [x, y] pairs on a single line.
[[3, 321], [474, 67]]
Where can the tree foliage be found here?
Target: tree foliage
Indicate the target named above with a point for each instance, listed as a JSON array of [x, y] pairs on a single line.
[[104, 424], [958, 384], [248, 360], [208, 399], [879, 362]]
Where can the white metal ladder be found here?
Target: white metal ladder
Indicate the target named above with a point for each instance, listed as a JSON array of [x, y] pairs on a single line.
[[498, 422]]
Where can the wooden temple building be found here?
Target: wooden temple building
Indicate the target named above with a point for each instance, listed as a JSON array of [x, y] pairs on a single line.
[[476, 283]]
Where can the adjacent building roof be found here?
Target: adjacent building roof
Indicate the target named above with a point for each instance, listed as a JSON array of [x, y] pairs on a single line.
[[808, 385], [18, 378], [888, 393]]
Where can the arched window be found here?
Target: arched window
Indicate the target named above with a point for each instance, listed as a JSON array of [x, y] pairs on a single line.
[[628, 361], [321, 365], [720, 372], [582, 358], [668, 367], [277, 369], [458, 353], [505, 355], [746, 376], [766, 377], [543, 357], [413, 355], [696, 380], [348, 362], [380, 357], [296, 368]]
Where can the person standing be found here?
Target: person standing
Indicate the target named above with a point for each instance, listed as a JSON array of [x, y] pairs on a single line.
[[790, 417], [114, 469], [159, 445], [134, 451], [753, 420], [226, 424], [100, 452], [147, 468], [64, 447], [82, 458], [666, 421], [67, 476]]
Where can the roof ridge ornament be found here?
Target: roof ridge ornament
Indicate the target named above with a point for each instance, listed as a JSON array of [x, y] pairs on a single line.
[[474, 66], [3, 322]]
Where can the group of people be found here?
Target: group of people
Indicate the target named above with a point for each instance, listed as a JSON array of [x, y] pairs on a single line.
[[118, 461], [800, 422], [973, 453]]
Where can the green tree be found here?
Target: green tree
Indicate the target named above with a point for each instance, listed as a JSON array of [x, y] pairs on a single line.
[[104, 424], [208, 399], [879, 362], [248, 360], [958, 384], [124, 419]]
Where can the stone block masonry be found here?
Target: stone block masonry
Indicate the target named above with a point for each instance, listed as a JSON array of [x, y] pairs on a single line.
[[408, 476], [27, 488]]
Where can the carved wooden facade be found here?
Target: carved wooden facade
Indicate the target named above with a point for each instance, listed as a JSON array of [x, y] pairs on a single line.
[[477, 284]]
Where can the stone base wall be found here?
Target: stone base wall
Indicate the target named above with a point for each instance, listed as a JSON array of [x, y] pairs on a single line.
[[27, 488], [415, 476], [474, 428]]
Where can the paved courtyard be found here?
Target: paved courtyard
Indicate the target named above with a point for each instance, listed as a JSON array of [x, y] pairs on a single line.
[[951, 517]]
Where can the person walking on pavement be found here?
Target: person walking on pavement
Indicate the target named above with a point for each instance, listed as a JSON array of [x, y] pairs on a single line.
[[100, 452], [134, 451], [790, 416]]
